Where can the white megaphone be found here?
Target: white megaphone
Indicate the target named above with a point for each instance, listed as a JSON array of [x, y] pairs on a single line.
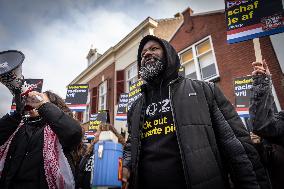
[[11, 72]]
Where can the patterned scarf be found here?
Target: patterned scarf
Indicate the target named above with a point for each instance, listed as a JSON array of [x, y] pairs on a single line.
[[57, 169]]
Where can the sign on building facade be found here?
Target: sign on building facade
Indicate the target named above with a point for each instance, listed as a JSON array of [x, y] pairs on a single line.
[[242, 86], [76, 97]]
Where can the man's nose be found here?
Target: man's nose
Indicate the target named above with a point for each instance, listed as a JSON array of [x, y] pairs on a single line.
[[147, 53]]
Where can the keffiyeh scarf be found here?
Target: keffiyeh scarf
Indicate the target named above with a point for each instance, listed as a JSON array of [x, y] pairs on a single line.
[[57, 169]]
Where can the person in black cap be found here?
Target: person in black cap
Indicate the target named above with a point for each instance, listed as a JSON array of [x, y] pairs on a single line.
[[36, 149], [184, 133]]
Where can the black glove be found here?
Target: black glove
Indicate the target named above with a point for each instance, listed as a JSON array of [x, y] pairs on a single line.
[[20, 103]]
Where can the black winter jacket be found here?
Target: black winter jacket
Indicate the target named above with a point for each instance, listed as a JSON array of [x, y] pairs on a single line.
[[204, 132], [212, 138], [23, 167]]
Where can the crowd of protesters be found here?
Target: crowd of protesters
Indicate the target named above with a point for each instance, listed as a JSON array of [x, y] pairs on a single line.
[[206, 147]]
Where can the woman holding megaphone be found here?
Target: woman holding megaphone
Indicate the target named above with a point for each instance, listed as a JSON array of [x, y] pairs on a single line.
[[36, 146]]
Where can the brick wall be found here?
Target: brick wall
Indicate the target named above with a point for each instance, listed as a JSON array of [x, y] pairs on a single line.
[[167, 27], [274, 67], [108, 74], [233, 60]]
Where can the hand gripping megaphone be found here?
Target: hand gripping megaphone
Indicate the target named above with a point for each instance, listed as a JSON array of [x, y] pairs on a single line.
[[11, 72]]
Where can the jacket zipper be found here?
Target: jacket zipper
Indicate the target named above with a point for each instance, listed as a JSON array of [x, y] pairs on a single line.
[[139, 141], [177, 134]]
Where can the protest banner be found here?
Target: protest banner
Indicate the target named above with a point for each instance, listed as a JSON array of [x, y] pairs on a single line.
[[121, 114], [98, 118], [95, 121], [76, 97], [242, 86], [36, 84], [249, 19], [134, 93], [89, 136]]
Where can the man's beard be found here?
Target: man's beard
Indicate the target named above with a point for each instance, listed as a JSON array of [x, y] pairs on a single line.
[[152, 71]]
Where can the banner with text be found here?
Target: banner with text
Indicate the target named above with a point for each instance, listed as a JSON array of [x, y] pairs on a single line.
[[134, 93], [121, 114], [242, 93], [98, 118], [249, 19], [76, 97]]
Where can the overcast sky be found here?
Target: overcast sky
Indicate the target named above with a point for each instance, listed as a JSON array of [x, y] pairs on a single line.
[[56, 35]]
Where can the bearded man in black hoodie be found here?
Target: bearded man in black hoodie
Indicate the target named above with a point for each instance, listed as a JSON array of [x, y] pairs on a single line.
[[184, 133]]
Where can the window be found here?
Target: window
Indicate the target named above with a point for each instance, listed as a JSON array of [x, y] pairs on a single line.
[[86, 115], [102, 95], [199, 61], [131, 75], [187, 59], [120, 83]]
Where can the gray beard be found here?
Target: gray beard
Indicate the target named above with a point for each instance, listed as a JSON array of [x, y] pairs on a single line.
[[150, 72]]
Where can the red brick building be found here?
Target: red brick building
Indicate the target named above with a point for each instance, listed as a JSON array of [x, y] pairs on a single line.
[[202, 46]]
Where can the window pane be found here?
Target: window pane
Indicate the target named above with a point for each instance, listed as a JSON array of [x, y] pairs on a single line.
[[102, 95], [209, 71], [187, 56], [102, 88], [131, 75], [207, 65], [102, 102], [190, 70], [192, 75], [203, 47], [132, 71], [133, 80], [103, 99]]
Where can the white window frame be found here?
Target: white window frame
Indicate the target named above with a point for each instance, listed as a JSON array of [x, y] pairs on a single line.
[[102, 105], [87, 111], [130, 67], [195, 58]]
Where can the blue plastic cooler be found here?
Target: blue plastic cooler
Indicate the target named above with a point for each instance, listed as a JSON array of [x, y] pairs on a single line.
[[107, 164]]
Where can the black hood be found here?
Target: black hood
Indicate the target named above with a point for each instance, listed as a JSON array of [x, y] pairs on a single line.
[[170, 55]]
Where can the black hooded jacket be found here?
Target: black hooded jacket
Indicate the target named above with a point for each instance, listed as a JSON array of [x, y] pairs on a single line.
[[211, 138], [171, 70], [159, 165]]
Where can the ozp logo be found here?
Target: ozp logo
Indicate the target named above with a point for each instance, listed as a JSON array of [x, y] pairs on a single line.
[[160, 107]]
